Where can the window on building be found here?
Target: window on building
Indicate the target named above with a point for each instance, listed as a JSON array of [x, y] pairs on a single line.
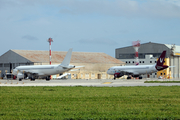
[[161, 73], [164, 73], [92, 75], [150, 61], [126, 62], [126, 56], [139, 61], [6, 65], [129, 61], [143, 61], [133, 61], [141, 55], [155, 61]]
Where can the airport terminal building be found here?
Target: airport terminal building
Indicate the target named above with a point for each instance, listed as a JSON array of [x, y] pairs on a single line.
[[95, 64], [148, 54]]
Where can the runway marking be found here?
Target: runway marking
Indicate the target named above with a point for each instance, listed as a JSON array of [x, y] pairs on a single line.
[[107, 82]]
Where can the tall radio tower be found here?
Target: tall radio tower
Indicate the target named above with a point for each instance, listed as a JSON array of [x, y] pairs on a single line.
[[50, 40], [136, 45]]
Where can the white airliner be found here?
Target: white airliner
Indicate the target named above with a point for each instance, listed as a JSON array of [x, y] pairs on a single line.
[[43, 71], [137, 71]]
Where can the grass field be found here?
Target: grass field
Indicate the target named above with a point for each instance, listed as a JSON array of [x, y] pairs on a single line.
[[90, 102]]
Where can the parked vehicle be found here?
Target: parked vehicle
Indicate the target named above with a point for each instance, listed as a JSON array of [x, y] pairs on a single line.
[[9, 76]]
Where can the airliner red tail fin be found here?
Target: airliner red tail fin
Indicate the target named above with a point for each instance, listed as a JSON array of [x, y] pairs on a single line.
[[160, 62]]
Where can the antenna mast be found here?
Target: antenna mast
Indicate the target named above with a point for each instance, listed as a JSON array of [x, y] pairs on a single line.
[[136, 45]]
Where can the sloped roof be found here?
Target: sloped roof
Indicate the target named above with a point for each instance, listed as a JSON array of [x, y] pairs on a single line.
[[176, 49], [58, 56]]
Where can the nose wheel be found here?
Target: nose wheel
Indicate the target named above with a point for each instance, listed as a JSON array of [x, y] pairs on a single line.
[[115, 76]]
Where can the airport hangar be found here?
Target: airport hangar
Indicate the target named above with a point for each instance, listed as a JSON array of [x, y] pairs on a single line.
[[148, 54], [95, 64]]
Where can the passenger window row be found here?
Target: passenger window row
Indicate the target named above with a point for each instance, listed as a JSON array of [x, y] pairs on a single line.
[[140, 61]]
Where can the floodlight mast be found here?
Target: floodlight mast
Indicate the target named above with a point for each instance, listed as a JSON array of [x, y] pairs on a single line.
[[136, 45]]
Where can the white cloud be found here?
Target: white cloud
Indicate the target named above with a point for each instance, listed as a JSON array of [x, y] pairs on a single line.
[[29, 37]]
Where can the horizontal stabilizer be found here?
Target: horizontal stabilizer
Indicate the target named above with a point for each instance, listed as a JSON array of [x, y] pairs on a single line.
[[79, 66], [74, 70], [171, 66]]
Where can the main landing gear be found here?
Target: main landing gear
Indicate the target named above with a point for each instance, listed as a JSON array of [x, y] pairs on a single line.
[[47, 78], [32, 78], [129, 77]]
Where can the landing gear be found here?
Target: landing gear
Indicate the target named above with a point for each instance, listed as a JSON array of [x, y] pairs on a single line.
[[47, 78], [128, 77], [32, 78], [115, 76], [118, 75]]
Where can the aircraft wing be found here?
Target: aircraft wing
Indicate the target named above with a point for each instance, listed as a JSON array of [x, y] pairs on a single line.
[[129, 72], [32, 72]]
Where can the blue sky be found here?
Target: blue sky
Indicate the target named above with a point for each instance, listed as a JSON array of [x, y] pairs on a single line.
[[87, 25]]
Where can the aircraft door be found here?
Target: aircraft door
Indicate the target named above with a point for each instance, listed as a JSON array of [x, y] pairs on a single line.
[[99, 76]]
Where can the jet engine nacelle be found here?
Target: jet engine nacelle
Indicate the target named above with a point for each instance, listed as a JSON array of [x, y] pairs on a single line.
[[135, 76], [20, 75], [118, 75]]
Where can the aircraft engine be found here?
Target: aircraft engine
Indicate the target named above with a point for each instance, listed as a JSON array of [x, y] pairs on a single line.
[[20, 75], [118, 75], [135, 76]]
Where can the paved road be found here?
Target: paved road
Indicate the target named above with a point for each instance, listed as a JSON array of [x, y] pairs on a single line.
[[83, 82]]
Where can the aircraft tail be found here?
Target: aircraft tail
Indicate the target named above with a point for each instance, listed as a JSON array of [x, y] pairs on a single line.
[[160, 62], [67, 58]]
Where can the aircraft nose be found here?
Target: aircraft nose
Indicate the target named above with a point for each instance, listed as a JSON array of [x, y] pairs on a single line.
[[108, 72]]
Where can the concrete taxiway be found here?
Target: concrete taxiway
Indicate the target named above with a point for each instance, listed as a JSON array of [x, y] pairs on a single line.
[[84, 82]]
